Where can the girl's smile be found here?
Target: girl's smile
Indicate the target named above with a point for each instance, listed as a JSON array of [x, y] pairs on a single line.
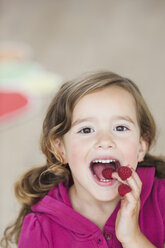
[[104, 133]]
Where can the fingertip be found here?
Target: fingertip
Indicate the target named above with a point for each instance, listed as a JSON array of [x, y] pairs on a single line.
[[130, 167], [114, 173]]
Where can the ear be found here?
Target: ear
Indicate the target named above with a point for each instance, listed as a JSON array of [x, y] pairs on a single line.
[[58, 149], [143, 148]]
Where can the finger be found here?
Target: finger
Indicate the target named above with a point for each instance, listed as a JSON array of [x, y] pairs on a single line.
[[136, 179], [116, 176], [134, 175], [129, 202], [130, 182], [130, 198], [135, 183]]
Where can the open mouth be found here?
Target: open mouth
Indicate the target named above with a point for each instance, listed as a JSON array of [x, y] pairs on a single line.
[[98, 166]]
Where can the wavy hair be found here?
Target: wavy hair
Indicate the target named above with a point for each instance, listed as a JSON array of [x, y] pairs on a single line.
[[36, 183]]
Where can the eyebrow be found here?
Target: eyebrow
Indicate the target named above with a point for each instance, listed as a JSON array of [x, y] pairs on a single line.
[[126, 118], [118, 117], [79, 121]]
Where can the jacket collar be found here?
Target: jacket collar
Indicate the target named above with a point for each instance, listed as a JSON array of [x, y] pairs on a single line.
[[147, 175]]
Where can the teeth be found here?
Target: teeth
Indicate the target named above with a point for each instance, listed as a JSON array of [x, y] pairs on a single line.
[[104, 161], [104, 180]]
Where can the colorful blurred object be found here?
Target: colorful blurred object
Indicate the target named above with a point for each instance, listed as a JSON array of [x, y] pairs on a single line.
[[28, 76], [11, 104], [22, 79]]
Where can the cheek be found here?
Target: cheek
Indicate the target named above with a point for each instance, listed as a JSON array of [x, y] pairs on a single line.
[[75, 153], [130, 152]]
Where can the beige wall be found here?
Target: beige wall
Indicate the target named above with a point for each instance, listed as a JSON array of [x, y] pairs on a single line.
[[69, 37]]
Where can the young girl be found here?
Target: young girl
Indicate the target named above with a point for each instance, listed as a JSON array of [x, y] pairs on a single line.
[[95, 122]]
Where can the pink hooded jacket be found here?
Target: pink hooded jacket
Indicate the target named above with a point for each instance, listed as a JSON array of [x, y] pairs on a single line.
[[54, 223]]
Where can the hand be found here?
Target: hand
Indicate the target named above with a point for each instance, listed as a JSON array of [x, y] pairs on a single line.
[[127, 226]]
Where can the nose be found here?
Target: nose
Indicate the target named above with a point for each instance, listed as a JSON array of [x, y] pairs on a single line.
[[105, 141]]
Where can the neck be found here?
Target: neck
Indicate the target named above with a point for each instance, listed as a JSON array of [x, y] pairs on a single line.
[[96, 211]]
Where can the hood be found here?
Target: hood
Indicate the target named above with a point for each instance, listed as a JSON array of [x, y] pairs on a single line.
[[57, 206]]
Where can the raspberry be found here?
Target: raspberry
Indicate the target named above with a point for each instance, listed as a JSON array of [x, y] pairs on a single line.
[[107, 173], [124, 189], [124, 172]]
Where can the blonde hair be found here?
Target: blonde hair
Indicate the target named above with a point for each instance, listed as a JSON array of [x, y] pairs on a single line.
[[36, 183]]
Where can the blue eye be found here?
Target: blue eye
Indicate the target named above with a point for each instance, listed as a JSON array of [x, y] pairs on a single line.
[[120, 128], [86, 130]]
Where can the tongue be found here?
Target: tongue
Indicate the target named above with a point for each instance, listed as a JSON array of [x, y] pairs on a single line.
[[99, 167]]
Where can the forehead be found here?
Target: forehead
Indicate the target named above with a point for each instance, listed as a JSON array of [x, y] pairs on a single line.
[[109, 98]]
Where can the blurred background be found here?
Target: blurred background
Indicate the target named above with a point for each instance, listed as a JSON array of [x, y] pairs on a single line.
[[43, 43]]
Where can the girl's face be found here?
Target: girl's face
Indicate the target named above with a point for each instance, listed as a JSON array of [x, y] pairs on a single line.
[[105, 128]]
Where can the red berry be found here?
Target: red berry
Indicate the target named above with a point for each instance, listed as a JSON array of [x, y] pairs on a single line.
[[107, 173], [124, 189], [124, 172]]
